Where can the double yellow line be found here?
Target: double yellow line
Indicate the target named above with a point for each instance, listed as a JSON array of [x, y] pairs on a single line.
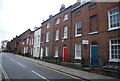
[[65, 74], [4, 73]]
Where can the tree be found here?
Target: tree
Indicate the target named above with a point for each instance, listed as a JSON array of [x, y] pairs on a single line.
[[4, 45]]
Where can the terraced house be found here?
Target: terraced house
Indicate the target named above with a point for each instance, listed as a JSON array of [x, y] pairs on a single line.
[[37, 38], [56, 35], [95, 33], [86, 32]]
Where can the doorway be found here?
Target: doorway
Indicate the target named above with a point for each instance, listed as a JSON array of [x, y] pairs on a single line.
[[94, 54], [64, 54]]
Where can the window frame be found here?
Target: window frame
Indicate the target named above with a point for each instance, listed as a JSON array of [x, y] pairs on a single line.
[[47, 36], [110, 54], [90, 31], [76, 57], [65, 17], [65, 34], [57, 34], [46, 51], [56, 51], [76, 27], [27, 41], [48, 25], [57, 21], [109, 24]]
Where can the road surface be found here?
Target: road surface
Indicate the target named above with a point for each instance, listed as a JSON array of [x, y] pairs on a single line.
[[15, 68]]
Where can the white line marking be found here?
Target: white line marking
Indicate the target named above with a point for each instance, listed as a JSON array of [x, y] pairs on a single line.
[[20, 64], [12, 59], [40, 75]]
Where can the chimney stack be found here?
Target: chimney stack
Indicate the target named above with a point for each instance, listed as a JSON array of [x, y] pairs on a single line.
[[35, 28], [62, 7], [50, 16]]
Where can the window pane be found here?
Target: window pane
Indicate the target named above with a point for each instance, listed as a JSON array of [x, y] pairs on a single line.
[[78, 28], [78, 50], [65, 31], [115, 49], [57, 34], [114, 18], [79, 31]]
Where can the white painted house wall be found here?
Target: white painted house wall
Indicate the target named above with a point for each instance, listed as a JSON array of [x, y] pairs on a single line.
[[37, 38]]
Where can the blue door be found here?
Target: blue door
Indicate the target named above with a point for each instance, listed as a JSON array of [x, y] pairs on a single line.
[[94, 55]]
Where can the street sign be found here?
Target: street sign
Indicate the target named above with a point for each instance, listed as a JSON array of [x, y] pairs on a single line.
[[85, 42]]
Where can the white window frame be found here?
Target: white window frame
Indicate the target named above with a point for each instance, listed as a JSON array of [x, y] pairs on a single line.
[[46, 51], [57, 21], [48, 25], [47, 36], [110, 54], [38, 38], [76, 57], [65, 17], [56, 51], [65, 32], [27, 40], [32, 41], [57, 34], [76, 35], [112, 16]]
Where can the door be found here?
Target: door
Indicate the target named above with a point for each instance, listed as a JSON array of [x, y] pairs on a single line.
[[41, 55], [38, 52], [65, 54], [94, 55]]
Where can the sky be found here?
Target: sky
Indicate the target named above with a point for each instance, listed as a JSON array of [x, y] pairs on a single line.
[[16, 16]]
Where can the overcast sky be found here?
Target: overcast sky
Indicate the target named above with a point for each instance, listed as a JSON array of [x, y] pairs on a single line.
[[16, 16]]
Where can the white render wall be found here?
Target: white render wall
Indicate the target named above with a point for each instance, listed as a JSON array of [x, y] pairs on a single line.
[[37, 38]]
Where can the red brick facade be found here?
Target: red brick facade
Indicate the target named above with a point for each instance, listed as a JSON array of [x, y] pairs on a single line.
[[91, 14], [20, 41], [101, 38], [53, 27], [93, 25]]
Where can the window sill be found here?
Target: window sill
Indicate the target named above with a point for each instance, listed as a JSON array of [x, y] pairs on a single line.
[[78, 35], [92, 33], [65, 19], [110, 29], [56, 56], [41, 42], [114, 60], [56, 39], [77, 58], [57, 23], [65, 38]]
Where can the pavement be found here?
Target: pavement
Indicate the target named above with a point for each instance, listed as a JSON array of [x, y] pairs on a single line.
[[75, 72]]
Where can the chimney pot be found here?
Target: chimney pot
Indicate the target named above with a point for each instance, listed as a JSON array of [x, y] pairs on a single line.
[[50, 16], [62, 7]]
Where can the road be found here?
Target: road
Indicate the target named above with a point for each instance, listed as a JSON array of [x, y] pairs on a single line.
[[16, 68]]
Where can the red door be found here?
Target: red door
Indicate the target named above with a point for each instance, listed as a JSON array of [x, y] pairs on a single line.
[[65, 54]]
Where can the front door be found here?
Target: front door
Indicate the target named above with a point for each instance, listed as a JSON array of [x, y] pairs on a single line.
[[41, 55], [65, 54], [94, 55]]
